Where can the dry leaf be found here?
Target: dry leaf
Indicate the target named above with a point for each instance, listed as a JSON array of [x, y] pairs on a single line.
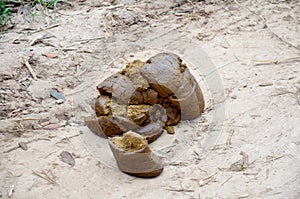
[[49, 55]]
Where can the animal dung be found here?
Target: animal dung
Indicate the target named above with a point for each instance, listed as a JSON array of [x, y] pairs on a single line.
[[134, 156], [147, 98]]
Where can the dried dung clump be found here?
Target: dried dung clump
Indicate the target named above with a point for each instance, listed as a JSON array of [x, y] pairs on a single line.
[[147, 97], [130, 141]]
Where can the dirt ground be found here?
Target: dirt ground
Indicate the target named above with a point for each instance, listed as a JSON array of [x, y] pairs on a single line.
[[244, 54]]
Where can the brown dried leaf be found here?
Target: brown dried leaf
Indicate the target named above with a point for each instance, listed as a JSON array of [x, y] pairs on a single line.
[[50, 55]]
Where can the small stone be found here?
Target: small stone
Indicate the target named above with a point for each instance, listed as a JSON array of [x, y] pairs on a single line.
[[16, 41], [36, 126], [23, 146], [56, 95], [45, 123], [233, 97], [60, 101], [67, 157]]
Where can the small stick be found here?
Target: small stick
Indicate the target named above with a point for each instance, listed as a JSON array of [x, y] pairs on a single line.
[[266, 62], [113, 7], [30, 68], [22, 119], [267, 173], [206, 180], [180, 190], [89, 39], [11, 149], [16, 147], [68, 138], [46, 177], [226, 180], [44, 29], [228, 141]]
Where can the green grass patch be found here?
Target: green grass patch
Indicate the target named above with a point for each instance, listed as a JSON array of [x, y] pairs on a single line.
[[4, 15]]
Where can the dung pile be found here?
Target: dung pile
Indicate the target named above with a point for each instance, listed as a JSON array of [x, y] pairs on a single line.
[[146, 98]]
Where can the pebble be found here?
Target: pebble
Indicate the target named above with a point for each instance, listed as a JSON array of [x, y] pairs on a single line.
[[60, 101], [57, 95], [23, 146], [67, 157]]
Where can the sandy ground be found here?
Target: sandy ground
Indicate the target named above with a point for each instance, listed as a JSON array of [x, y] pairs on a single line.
[[244, 54]]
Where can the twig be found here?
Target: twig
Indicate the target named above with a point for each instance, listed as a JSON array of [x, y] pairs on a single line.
[[30, 68], [68, 138], [285, 92], [89, 39], [226, 180], [45, 176], [182, 164], [296, 94], [11, 149], [266, 62], [230, 134], [272, 158], [179, 190], [16, 147], [72, 136], [206, 180], [23, 119], [114, 7], [267, 173], [248, 173], [47, 28]]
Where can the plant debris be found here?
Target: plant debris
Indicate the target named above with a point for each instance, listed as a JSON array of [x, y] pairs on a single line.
[[23, 146], [44, 175], [67, 157], [241, 164], [56, 95]]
